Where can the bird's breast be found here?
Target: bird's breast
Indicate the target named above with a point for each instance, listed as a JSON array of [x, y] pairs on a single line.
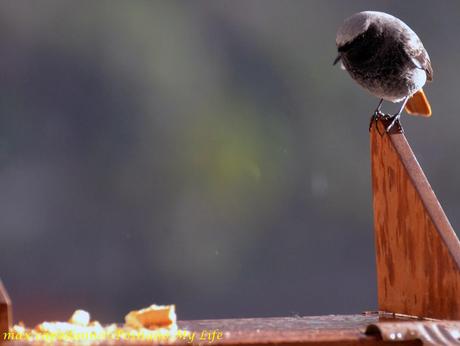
[[386, 71]]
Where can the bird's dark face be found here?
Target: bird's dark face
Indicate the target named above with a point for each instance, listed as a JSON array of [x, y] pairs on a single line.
[[362, 48]]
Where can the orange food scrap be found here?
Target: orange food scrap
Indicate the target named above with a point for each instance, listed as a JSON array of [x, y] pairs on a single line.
[[152, 317]]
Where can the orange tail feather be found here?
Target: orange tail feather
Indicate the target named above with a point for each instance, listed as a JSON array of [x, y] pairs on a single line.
[[418, 105]]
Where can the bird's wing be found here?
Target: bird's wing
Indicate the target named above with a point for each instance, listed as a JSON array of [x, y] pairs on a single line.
[[419, 56], [423, 59]]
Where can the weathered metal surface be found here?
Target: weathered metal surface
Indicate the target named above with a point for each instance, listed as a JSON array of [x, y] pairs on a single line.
[[6, 319], [440, 333], [333, 330], [417, 251]]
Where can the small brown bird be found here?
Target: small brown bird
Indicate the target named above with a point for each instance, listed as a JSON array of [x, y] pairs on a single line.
[[383, 55]]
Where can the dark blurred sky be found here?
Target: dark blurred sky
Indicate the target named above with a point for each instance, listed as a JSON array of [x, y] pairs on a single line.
[[200, 153]]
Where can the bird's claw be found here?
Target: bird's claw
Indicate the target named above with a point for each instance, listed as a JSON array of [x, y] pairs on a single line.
[[395, 124], [375, 119]]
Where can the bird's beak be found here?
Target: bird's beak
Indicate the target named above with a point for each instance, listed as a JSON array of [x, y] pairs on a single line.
[[337, 59]]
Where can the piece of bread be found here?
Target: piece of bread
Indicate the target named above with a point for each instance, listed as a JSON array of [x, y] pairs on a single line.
[[152, 317]]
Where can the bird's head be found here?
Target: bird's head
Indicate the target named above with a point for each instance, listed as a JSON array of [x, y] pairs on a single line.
[[354, 26]]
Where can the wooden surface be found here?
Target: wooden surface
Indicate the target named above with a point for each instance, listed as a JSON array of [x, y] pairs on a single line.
[[5, 310], [417, 251], [340, 330]]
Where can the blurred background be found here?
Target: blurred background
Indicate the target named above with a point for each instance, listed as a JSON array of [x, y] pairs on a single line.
[[201, 153]]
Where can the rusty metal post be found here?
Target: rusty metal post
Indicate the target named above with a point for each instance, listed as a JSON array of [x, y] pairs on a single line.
[[6, 318], [417, 251]]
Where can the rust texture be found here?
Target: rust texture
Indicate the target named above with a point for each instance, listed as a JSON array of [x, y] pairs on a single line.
[[432, 333], [311, 330], [5, 310], [417, 251]]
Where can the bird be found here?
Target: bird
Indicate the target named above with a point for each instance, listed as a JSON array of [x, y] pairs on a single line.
[[387, 58]]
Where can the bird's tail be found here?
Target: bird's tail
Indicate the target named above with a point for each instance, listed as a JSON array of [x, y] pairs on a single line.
[[418, 105]]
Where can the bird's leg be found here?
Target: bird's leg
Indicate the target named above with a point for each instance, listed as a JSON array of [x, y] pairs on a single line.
[[377, 115], [395, 118]]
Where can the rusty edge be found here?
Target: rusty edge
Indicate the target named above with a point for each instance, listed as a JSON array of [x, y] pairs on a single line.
[[396, 315], [427, 195]]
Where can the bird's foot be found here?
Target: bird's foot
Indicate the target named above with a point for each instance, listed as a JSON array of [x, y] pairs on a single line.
[[375, 118], [395, 123], [391, 123]]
